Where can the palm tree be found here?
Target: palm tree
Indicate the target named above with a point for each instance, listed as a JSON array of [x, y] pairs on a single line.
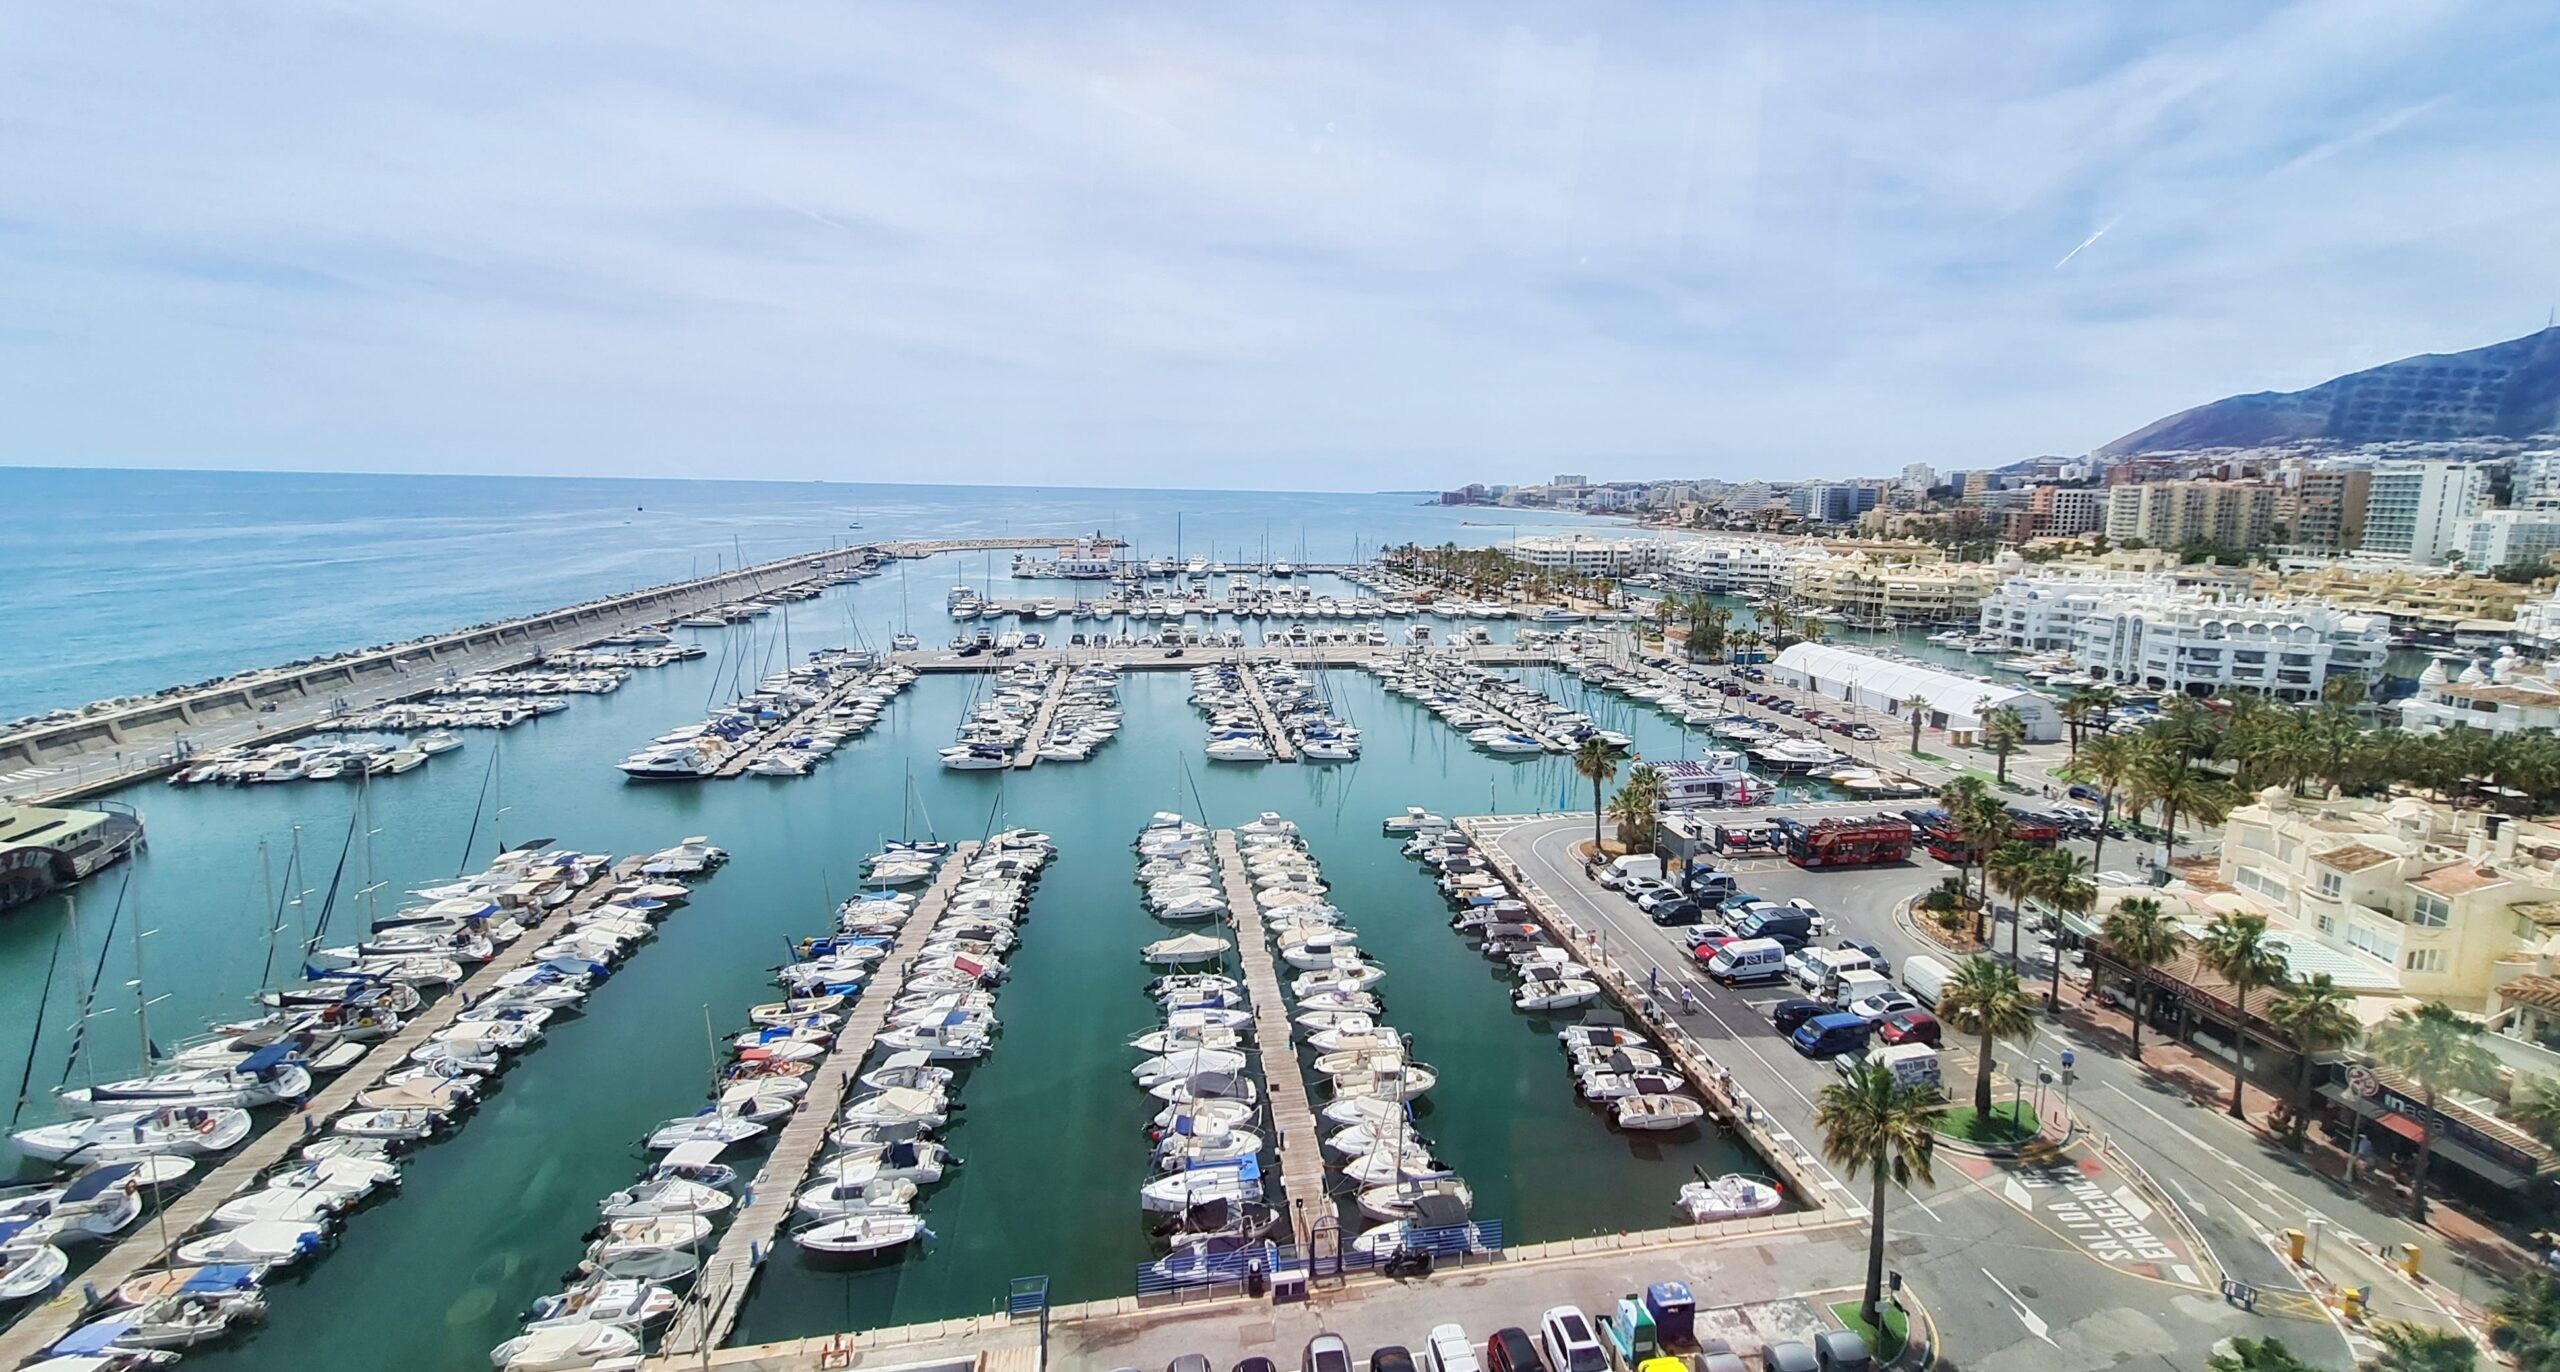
[[2084, 704], [2142, 937], [1633, 808], [2419, 1348], [1987, 824], [1808, 628], [2533, 1105], [1984, 999], [2012, 871], [2524, 1322], [2171, 781], [2107, 763], [2067, 887], [2345, 691], [2235, 947], [1775, 620], [2255, 1355], [1871, 1122], [2435, 1050], [2004, 732], [1597, 763], [1743, 642], [2314, 1017], [1919, 708]]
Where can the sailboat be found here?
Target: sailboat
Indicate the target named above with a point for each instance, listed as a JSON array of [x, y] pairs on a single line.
[[904, 641]]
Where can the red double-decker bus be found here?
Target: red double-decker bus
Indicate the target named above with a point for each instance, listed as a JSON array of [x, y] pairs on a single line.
[[1847, 842]]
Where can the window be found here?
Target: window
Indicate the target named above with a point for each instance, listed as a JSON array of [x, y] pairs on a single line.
[[2332, 883], [2272, 887], [2374, 943], [2328, 924], [2431, 911], [2258, 840], [2426, 960]]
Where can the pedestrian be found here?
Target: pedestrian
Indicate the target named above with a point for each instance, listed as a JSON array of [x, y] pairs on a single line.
[[1688, 1001]]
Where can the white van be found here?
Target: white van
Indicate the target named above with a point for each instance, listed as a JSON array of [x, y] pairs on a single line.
[[1912, 1064], [1857, 984], [1644, 865], [1749, 960], [1924, 976], [1816, 969]]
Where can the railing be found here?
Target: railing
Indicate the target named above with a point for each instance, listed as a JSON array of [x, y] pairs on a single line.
[[1227, 1273]]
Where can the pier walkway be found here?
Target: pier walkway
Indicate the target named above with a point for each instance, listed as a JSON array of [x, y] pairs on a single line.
[[1282, 750], [736, 763], [1293, 1117], [721, 1290], [1135, 659], [1029, 756], [148, 1247]]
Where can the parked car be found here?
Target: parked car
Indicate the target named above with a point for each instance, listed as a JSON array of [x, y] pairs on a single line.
[[1701, 935], [1571, 1344], [1795, 1010], [1874, 954], [1189, 1362], [1651, 901], [1449, 1350], [1254, 1364], [1787, 1355], [1637, 888], [1839, 1350], [1676, 911], [1392, 1358], [1909, 1026], [1883, 1005], [1512, 1350], [1327, 1353]]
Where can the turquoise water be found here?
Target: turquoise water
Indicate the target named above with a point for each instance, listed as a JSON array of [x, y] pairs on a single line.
[[487, 1220], [123, 582]]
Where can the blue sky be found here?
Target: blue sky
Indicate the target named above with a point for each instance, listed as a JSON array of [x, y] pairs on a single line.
[[1342, 246]]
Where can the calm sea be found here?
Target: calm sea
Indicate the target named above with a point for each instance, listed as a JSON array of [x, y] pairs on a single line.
[[123, 582]]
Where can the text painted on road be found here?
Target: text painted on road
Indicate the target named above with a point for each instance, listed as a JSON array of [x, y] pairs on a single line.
[[2111, 1227]]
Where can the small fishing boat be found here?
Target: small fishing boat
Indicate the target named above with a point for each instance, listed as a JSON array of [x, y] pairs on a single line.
[[833, 1199], [624, 1302], [1185, 948], [268, 1244], [664, 1196], [565, 1348], [647, 1233], [1733, 1196], [1405, 1200], [855, 1235], [706, 1127], [408, 1124], [1600, 1083], [1555, 993], [28, 1270], [1655, 1111]]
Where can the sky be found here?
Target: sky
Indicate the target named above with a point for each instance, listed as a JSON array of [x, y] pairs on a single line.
[[1306, 245]]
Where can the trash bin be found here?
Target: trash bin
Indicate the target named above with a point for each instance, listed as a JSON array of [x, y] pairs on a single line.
[[1674, 1311]]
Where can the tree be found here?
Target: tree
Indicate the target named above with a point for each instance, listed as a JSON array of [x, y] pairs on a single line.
[[1919, 708], [2141, 936], [1808, 628], [1985, 999], [2533, 1105], [2434, 1050], [1987, 824], [2011, 870], [2169, 779], [2255, 1355], [2410, 1347], [2106, 763], [1873, 1123], [1597, 763], [2004, 732], [1776, 621], [1635, 807], [2084, 706], [2524, 1322], [2067, 887], [1963, 798], [2314, 1017], [2235, 947], [2345, 691]]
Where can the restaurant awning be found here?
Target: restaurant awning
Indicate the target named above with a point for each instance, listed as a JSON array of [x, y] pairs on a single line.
[[2469, 1159]]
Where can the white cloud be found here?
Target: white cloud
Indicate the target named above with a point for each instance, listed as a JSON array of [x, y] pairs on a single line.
[[1317, 244]]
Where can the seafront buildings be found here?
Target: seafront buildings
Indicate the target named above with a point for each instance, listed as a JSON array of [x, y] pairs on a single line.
[[1947, 700], [2155, 633]]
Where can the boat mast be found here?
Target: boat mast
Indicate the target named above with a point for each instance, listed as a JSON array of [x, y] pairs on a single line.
[[142, 1001], [35, 1032]]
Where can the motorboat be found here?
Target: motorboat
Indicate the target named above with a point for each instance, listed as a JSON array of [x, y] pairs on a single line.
[[899, 1106], [310, 1193], [264, 1245], [707, 1127], [871, 1231], [1600, 1083], [1185, 949], [1406, 1200], [1733, 1196], [664, 1196], [1236, 1182], [1402, 1084], [1555, 993], [921, 1161], [1397, 1236], [647, 1233], [135, 1134], [1599, 1037], [1658, 1111], [1614, 1059], [269, 1076], [1352, 977], [841, 1199], [912, 1069], [388, 1124], [1206, 1086], [1414, 820], [565, 1348], [624, 1302], [760, 1100], [955, 1037], [1387, 1166], [1163, 1041], [185, 1319], [28, 1270], [1188, 1062]]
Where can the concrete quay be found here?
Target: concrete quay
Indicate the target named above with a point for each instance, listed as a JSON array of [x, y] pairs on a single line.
[[1029, 754], [720, 1291], [151, 1243], [1282, 750], [736, 764], [1294, 1132], [114, 745]]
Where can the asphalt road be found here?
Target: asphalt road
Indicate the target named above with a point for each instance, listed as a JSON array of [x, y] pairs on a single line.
[[2011, 1284]]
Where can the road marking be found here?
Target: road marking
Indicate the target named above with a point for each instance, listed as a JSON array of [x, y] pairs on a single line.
[[2035, 1323], [2184, 1273], [2133, 1204], [2174, 1127], [2015, 1192]]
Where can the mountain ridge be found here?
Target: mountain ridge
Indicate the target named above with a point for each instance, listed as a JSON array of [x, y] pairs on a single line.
[[2509, 389]]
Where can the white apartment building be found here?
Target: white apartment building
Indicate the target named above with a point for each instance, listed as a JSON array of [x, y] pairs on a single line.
[[2416, 508], [2287, 649], [2538, 624], [2497, 538], [2416, 891], [1590, 556], [1730, 565], [2042, 613], [2502, 697]]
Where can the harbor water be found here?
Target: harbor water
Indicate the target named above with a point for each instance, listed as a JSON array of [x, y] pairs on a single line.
[[1051, 1137]]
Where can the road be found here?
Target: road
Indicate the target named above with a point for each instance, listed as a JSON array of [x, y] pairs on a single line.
[[2021, 1262]]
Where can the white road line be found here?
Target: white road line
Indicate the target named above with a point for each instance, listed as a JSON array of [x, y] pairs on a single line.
[[2035, 1323], [2174, 1127], [2184, 1273]]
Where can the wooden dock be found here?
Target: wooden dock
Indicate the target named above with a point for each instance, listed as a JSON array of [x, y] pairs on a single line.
[[1293, 1117], [1281, 749], [720, 1292], [149, 1246], [1038, 735], [736, 763]]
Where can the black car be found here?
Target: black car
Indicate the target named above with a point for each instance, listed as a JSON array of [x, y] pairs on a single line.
[[1255, 1364], [968, 650], [1795, 1010], [1392, 1358], [1678, 911], [1174, 651]]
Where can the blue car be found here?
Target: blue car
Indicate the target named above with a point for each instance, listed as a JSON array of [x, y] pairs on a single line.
[[1828, 1036]]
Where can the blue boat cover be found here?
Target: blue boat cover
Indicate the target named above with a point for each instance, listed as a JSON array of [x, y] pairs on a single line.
[[265, 1060], [92, 1184], [222, 1276], [91, 1339]]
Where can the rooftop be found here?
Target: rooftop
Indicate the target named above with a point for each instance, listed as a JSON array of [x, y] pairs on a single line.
[[2355, 857]]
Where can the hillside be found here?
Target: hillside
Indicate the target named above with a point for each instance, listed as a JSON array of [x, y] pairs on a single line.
[[2505, 390]]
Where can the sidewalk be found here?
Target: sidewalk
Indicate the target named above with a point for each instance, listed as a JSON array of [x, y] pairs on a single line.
[[2461, 1236]]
